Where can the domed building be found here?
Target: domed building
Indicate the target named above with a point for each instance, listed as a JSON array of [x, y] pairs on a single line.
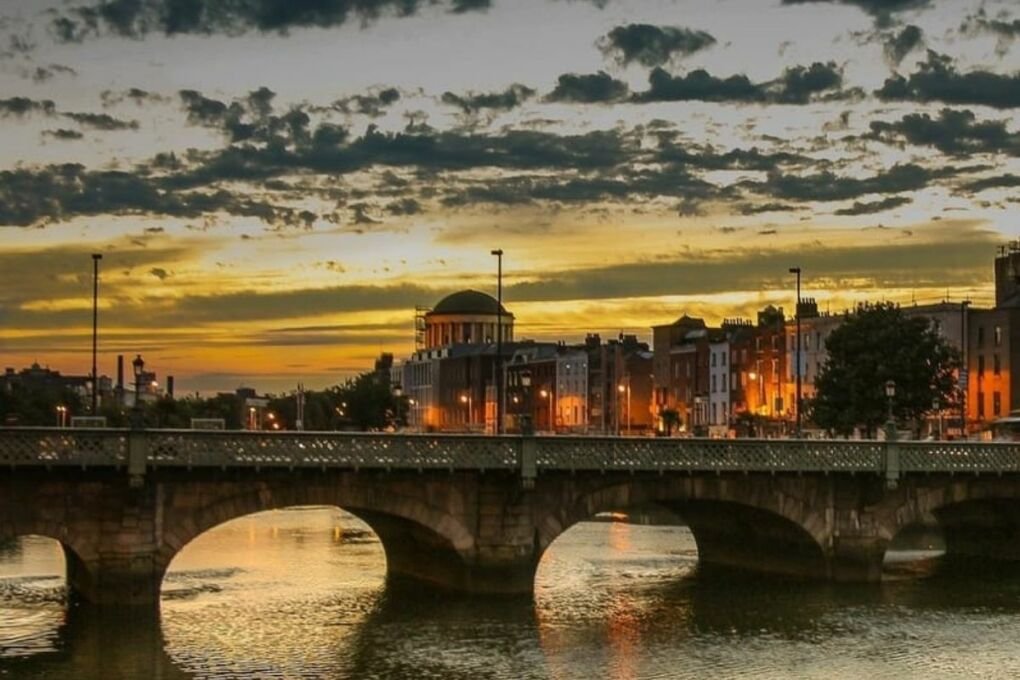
[[467, 317]]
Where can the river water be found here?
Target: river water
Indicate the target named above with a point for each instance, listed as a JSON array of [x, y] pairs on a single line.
[[302, 594]]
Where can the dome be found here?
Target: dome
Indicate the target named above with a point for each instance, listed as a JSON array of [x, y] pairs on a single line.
[[468, 302]]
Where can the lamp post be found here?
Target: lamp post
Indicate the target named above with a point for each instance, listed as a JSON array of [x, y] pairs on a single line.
[[624, 389], [466, 399], [526, 425], [890, 425], [796, 401], [61, 416], [138, 365], [547, 394], [936, 406], [499, 339], [96, 257]]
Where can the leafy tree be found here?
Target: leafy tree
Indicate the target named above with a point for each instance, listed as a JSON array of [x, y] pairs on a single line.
[[877, 344], [26, 406], [670, 420]]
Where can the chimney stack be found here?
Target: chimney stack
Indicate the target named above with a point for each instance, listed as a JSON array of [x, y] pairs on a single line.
[[120, 372]]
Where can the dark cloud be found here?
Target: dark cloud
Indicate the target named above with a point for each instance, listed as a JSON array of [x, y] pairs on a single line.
[[653, 45], [138, 18], [404, 206], [1005, 29], [64, 134], [101, 121], [953, 132], [373, 104], [137, 95], [1007, 181], [870, 208], [60, 192], [938, 80], [882, 10], [588, 89], [797, 85], [827, 186], [159, 273], [21, 106], [472, 102], [759, 208], [44, 73], [903, 43]]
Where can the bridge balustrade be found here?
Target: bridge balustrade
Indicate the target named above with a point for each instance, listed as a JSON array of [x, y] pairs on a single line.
[[188, 448]]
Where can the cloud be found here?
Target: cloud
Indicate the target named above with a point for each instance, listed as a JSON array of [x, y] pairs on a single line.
[[938, 80], [796, 85], [953, 132], [159, 273], [593, 88], [139, 18], [59, 192], [1002, 27], [903, 43], [101, 121], [63, 134], [1007, 181], [827, 186], [882, 10], [866, 208], [956, 254], [373, 104], [135, 94], [43, 73], [651, 45], [472, 102], [22, 106]]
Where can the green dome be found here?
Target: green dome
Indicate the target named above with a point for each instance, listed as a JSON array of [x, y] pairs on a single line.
[[468, 302]]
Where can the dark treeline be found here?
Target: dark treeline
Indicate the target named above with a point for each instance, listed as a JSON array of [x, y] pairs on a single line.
[[362, 403]]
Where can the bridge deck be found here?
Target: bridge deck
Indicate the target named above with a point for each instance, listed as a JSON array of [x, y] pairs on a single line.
[[35, 447]]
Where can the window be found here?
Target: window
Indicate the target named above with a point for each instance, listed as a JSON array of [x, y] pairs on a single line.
[[998, 336], [807, 341], [775, 342], [981, 404], [818, 340], [757, 343], [996, 404], [981, 365], [713, 382], [775, 370], [722, 355], [980, 336], [713, 358], [996, 364]]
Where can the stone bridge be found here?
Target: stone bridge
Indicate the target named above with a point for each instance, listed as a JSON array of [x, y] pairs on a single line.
[[475, 513]]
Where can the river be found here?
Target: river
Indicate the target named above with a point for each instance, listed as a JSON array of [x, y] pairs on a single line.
[[302, 593]]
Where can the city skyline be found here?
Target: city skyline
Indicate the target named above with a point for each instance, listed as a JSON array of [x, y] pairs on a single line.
[[274, 192]]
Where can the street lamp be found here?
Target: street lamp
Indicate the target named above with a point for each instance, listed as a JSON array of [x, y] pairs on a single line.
[[796, 270], [467, 400], [96, 257], [624, 389], [890, 425], [138, 365], [61, 416], [499, 338], [547, 394]]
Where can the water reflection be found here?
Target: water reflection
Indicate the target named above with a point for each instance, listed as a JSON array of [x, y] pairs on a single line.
[[302, 594]]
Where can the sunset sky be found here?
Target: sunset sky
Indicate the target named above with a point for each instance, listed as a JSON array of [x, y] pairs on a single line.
[[274, 185]]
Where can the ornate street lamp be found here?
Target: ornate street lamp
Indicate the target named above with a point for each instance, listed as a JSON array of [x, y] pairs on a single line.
[[137, 417], [890, 395]]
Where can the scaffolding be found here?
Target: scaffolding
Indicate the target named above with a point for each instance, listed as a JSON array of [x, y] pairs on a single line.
[[419, 326]]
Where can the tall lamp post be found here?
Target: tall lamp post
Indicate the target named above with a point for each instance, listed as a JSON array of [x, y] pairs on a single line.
[[499, 339], [96, 257], [625, 389], [890, 425], [467, 401], [548, 395], [796, 401], [138, 365]]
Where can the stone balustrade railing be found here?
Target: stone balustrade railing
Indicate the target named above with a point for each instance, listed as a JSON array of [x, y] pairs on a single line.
[[147, 449]]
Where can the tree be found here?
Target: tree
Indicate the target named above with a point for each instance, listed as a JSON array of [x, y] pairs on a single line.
[[877, 344], [670, 420]]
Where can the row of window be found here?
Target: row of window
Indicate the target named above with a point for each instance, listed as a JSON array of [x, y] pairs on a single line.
[[996, 404], [996, 365], [996, 335]]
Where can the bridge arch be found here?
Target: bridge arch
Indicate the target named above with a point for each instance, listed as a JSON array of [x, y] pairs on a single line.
[[773, 532], [421, 540], [77, 552]]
